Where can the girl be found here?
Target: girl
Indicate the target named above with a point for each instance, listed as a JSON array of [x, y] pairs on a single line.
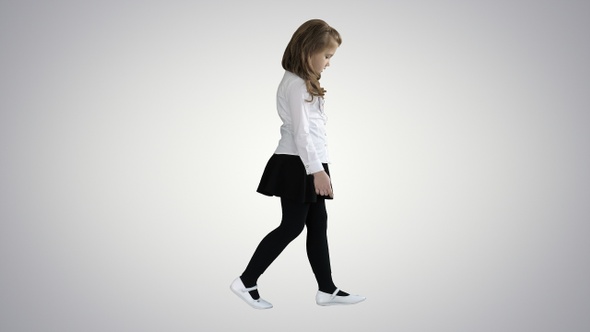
[[298, 170]]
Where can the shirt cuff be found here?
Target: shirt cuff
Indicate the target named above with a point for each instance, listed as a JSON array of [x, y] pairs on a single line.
[[313, 167]]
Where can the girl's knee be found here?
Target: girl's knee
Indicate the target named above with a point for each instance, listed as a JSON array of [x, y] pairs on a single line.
[[290, 230]]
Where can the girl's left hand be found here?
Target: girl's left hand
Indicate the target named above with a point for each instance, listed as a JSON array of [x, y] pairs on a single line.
[[322, 184]]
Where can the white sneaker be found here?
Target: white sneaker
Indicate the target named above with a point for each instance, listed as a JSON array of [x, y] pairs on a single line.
[[237, 286], [324, 299]]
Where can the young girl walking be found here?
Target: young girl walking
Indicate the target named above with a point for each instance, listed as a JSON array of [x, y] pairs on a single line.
[[298, 171]]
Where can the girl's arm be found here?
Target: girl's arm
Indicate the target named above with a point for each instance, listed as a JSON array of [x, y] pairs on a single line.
[[298, 107], [299, 113]]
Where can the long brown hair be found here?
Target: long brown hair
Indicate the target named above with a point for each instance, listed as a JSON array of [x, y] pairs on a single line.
[[311, 37]]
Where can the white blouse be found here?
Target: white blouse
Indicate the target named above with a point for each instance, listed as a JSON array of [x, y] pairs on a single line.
[[303, 132]]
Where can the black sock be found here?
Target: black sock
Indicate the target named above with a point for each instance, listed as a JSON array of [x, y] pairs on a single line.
[[253, 293], [340, 293]]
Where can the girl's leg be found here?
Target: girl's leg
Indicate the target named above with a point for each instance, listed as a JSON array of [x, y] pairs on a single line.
[[317, 245], [292, 224]]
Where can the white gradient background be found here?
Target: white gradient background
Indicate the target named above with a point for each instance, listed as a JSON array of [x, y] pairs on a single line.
[[133, 135]]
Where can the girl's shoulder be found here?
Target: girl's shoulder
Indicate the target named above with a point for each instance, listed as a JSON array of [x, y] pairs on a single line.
[[291, 81]]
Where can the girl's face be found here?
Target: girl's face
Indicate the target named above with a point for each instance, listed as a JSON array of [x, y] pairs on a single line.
[[319, 61]]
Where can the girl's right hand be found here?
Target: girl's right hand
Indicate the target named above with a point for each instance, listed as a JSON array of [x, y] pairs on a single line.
[[322, 184]]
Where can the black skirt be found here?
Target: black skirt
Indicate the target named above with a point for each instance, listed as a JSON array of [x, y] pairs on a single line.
[[285, 176]]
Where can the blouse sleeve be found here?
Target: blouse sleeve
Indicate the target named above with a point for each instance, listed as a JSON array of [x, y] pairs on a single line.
[[299, 111]]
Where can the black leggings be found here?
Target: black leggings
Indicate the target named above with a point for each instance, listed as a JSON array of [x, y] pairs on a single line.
[[296, 216]]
